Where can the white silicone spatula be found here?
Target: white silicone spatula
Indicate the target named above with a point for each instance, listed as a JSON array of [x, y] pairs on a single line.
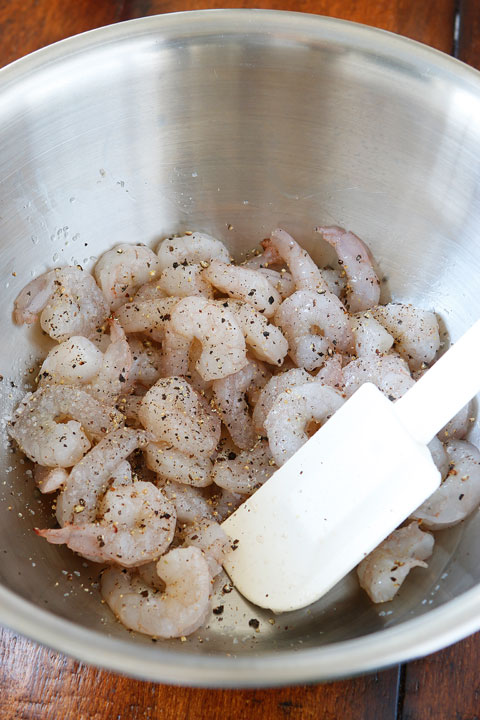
[[365, 471]]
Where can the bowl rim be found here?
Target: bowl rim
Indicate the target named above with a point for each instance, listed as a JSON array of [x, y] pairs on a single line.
[[431, 631]]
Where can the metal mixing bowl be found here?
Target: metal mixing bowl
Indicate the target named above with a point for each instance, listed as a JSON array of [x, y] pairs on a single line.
[[235, 122]]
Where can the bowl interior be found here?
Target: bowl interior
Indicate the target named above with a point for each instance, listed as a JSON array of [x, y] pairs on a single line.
[[234, 123]]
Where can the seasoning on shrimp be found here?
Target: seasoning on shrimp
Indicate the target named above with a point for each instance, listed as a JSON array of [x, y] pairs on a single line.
[[221, 372]]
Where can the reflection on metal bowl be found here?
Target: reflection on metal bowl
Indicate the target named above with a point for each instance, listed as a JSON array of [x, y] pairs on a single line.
[[234, 122]]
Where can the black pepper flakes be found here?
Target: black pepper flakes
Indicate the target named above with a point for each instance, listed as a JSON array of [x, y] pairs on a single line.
[[254, 623]]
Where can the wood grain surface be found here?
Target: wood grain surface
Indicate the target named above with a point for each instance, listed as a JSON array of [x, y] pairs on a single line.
[[39, 684]]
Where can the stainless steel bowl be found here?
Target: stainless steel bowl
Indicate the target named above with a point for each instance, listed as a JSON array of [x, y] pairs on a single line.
[[235, 122]]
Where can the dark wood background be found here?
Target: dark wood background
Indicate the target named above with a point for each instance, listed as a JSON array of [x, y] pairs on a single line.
[[38, 684]]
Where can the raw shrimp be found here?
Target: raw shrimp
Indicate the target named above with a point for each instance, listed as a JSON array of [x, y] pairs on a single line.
[[314, 324], [73, 362], [195, 247], [148, 316], [439, 456], [173, 464], [89, 478], [53, 443], [175, 352], [121, 475], [136, 525], [49, 480], [175, 414], [272, 389], [243, 472], [336, 282], [78, 361], [290, 415], [177, 612], [124, 268], [224, 503], [117, 361], [459, 426], [389, 373], [223, 344], [363, 287], [193, 376], [229, 397], [185, 280], [211, 539], [129, 405], [415, 332], [146, 362], [263, 338], [459, 494], [190, 502], [282, 281], [149, 291], [242, 283], [305, 273], [331, 372], [383, 571], [69, 301], [371, 338]]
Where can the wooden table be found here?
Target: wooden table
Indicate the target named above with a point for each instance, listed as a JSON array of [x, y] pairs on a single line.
[[38, 684]]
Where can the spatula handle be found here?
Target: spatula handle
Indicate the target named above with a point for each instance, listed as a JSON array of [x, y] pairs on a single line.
[[444, 389]]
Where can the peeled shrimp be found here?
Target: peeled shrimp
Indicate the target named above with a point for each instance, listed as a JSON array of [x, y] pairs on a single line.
[[89, 478], [439, 456], [245, 471], [383, 571], [136, 525], [224, 503], [149, 291], [117, 361], [459, 494], [242, 283], [75, 361], [229, 397], [177, 612], [287, 421], [415, 332], [314, 324], [371, 338], [175, 353], [175, 414], [336, 282], [331, 372], [185, 280], [190, 502], [458, 427], [215, 327], [148, 316], [305, 273], [272, 389], [196, 247], [389, 373], [265, 340], [49, 480], [69, 301], [282, 281], [363, 287], [124, 268], [146, 362], [35, 428], [121, 475], [78, 361], [173, 464], [211, 539]]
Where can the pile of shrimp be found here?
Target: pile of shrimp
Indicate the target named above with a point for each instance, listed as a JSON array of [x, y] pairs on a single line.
[[180, 381]]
